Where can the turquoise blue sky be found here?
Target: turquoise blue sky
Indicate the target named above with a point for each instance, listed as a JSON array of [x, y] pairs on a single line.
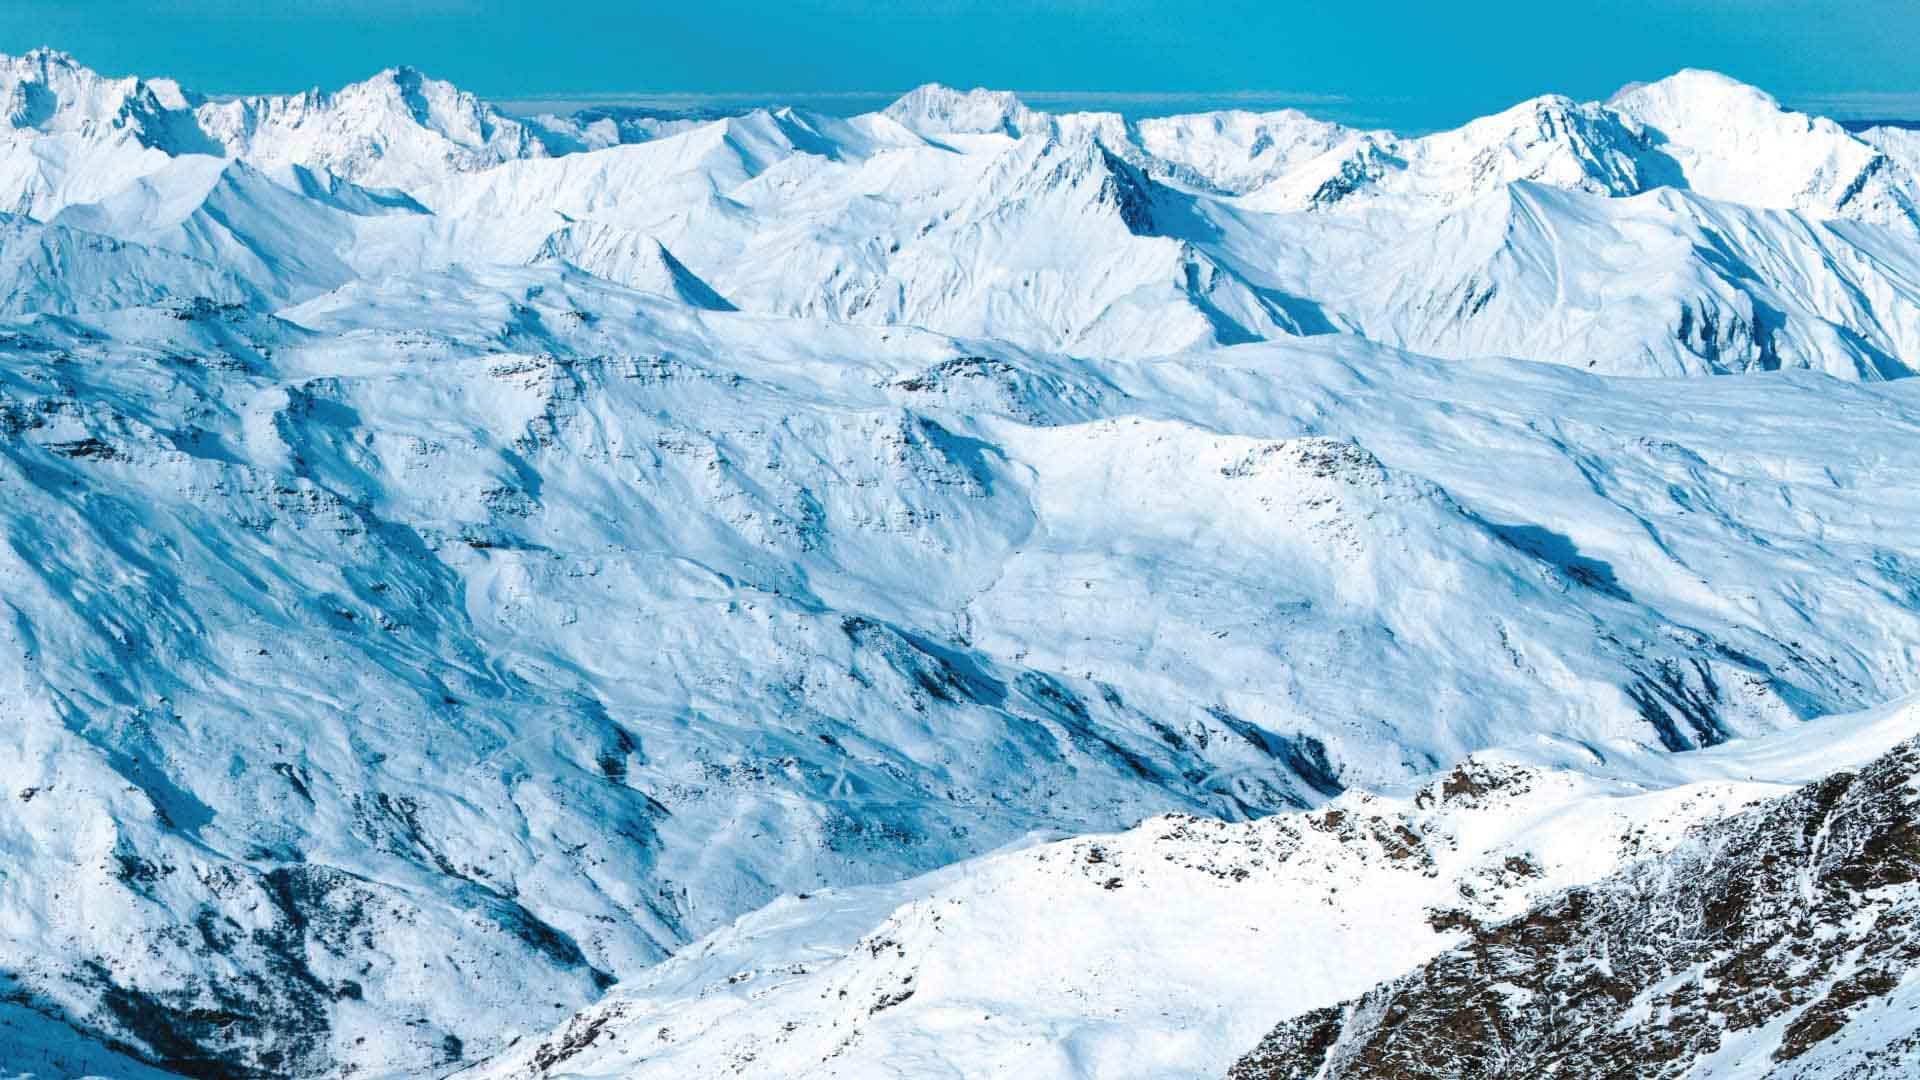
[[1403, 64]]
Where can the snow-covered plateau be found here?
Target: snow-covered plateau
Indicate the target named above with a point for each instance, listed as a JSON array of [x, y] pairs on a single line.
[[954, 591]]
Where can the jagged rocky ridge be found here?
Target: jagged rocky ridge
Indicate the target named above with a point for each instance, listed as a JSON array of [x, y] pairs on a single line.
[[1779, 943]]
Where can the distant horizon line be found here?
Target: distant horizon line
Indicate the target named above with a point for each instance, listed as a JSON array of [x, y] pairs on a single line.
[[1854, 109], [1131, 103]]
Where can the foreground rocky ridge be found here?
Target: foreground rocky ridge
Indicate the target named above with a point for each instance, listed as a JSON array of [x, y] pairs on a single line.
[[1779, 943]]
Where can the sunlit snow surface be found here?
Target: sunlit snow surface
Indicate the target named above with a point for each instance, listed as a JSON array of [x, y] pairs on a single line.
[[454, 562], [1167, 949]]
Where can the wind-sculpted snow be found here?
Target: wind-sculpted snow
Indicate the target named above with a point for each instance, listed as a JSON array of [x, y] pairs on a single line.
[[455, 561]]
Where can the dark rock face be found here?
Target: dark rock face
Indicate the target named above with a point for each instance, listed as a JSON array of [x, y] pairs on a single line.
[[1773, 938]]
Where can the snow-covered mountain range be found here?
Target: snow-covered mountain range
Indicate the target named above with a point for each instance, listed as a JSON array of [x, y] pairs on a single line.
[[958, 590]]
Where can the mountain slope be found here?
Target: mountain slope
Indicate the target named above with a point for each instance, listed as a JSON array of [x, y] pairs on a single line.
[[1666, 283], [56, 270], [630, 259], [1167, 949], [290, 237], [520, 676]]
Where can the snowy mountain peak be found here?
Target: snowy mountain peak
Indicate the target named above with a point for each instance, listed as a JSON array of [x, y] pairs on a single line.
[[1233, 150], [433, 104], [1724, 139], [46, 66], [45, 91], [1552, 116], [1694, 89], [935, 109], [399, 129], [1549, 139]]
